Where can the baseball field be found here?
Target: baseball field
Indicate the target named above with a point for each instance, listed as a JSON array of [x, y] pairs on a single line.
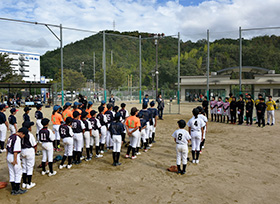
[[240, 164]]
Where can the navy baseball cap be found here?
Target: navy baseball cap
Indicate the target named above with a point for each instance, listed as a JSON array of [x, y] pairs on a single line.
[[45, 121], [68, 104], [90, 103], [93, 112], [56, 107], [103, 102], [24, 130], [84, 114], [68, 120], [181, 123], [76, 114], [76, 103], [13, 110], [38, 105], [27, 124], [26, 109], [152, 103]]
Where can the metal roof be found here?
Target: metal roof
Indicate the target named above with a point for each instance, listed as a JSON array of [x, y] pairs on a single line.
[[25, 85], [255, 70]]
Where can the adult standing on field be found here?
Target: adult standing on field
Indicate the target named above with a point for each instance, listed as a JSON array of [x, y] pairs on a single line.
[[146, 99], [160, 107]]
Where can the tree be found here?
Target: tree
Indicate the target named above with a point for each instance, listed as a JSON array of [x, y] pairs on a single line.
[[6, 71], [72, 80], [115, 77]]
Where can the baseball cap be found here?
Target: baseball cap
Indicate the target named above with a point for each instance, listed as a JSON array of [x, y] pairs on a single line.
[[56, 107], [2, 106], [103, 102], [152, 103], [27, 124], [26, 109], [68, 120], [68, 104], [181, 123], [93, 112], [90, 103], [45, 121], [13, 110], [38, 105], [100, 109], [84, 114], [24, 130], [117, 116], [76, 114], [77, 103]]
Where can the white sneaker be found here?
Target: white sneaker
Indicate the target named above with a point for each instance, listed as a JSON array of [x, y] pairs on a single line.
[[69, 166], [99, 156], [138, 153], [24, 185], [150, 145], [101, 152], [202, 147], [197, 161], [45, 172], [82, 157], [52, 174], [193, 161], [4, 150], [62, 166], [31, 185], [133, 157]]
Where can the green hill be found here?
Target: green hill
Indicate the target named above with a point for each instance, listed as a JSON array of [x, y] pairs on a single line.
[[260, 51]]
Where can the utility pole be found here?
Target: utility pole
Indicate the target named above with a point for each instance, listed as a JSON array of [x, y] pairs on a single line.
[[94, 71], [240, 60], [140, 70], [104, 66], [156, 43], [208, 65], [61, 65]]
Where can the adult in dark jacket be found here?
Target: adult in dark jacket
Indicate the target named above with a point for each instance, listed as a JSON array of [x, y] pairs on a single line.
[[160, 107], [240, 109]]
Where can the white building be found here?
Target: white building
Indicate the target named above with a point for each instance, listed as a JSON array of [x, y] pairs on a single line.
[[26, 64]]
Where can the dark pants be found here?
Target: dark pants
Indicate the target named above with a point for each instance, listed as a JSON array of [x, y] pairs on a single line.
[[206, 112], [249, 117], [240, 117], [233, 116], [261, 119], [160, 112]]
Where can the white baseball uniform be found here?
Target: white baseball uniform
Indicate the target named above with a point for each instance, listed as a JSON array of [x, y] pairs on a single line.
[[182, 137], [196, 124], [28, 153], [14, 146], [47, 137]]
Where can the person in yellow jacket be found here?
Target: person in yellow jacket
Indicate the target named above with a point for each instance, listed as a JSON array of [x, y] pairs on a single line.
[[271, 106]]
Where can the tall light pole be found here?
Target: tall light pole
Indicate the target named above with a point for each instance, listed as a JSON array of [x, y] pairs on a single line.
[[104, 66], [94, 71], [34, 82], [156, 43]]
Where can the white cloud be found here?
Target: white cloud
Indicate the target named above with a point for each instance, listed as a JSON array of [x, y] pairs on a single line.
[[143, 15]]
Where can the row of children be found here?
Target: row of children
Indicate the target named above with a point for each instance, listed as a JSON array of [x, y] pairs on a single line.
[[226, 110], [77, 129], [197, 127]]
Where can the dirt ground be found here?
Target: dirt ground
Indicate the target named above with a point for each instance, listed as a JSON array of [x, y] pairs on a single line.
[[239, 164]]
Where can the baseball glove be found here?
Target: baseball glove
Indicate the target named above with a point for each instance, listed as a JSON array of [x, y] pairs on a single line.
[[172, 169], [3, 184]]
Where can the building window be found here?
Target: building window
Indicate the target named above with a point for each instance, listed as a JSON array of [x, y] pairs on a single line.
[[276, 92], [194, 94], [218, 92], [265, 92]]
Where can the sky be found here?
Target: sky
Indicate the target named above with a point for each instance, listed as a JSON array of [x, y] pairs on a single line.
[[191, 18]]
